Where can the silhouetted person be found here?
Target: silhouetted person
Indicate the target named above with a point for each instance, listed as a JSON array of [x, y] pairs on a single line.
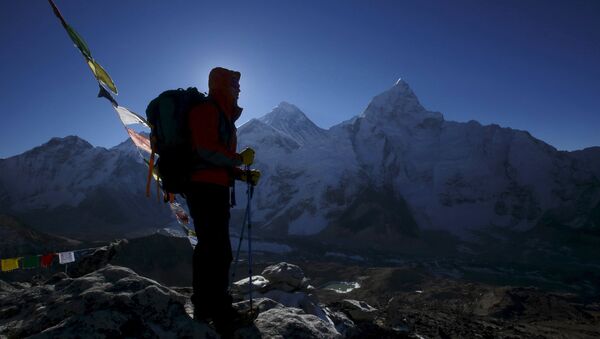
[[213, 135]]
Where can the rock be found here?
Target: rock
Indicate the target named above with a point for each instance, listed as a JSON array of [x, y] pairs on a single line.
[[343, 324], [299, 300], [293, 323], [96, 259], [240, 287], [358, 310], [6, 287], [286, 277], [56, 278], [110, 302]]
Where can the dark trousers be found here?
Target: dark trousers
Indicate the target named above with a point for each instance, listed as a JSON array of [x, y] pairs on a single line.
[[209, 208]]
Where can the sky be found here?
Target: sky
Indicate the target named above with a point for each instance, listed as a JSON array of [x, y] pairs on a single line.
[[524, 64]]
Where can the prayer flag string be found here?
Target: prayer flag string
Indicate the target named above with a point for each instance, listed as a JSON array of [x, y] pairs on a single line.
[[126, 116]]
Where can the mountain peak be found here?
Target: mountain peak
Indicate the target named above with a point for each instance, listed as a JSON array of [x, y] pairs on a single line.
[[71, 144], [287, 106], [290, 120], [71, 140], [401, 82], [398, 102], [284, 112]]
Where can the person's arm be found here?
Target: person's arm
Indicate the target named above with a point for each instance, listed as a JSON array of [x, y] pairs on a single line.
[[204, 128]]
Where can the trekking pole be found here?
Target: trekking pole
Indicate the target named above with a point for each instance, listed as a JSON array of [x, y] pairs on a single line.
[[250, 192], [239, 247]]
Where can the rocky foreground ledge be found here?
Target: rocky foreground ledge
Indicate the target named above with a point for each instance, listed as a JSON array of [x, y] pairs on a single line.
[[110, 302], [99, 299], [114, 301]]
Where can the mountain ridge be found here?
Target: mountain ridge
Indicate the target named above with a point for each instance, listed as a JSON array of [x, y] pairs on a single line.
[[453, 176]]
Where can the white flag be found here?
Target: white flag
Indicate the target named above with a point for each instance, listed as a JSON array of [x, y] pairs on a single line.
[[66, 257], [128, 117]]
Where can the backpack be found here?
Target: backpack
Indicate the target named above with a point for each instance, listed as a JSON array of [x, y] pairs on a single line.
[[170, 137]]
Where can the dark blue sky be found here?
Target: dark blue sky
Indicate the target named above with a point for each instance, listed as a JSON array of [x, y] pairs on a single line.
[[530, 65]]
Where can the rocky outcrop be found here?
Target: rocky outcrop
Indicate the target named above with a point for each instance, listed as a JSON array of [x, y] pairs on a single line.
[[114, 301], [293, 323], [96, 259], [110, 302], [406, 302], [285, 276], [287, 285]]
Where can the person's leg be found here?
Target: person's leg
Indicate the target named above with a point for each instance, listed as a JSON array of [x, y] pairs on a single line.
[[198, 198], [220, 247], [209, 208]]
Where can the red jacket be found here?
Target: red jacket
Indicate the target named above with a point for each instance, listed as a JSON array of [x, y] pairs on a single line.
[[213, 132]]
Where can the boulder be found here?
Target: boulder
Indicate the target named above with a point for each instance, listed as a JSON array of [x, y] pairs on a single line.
[[299, 300], [286, 277], [110, 302], [279, 323], [240, 288], [342, 323], [94, 259]]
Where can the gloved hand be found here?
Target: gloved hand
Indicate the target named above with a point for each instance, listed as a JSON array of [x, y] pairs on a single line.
[[247, 156], [254, 176]]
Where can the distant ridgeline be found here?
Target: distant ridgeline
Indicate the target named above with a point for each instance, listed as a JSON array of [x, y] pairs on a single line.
[[397, 175]]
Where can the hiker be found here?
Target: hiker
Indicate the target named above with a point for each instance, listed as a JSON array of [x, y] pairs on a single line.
[[214, 142]]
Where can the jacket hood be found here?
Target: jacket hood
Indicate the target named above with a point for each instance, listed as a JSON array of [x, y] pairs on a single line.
[[222, 84]]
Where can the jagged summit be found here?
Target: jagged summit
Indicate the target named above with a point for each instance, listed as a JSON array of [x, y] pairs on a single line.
[[284, 113], [399, 102], [290, 120], [69, 140], [71, 144]]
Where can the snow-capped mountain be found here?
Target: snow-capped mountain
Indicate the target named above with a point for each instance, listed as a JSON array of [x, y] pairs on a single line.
[[395, 171], [293, 123], [398, 168], [71, 188]]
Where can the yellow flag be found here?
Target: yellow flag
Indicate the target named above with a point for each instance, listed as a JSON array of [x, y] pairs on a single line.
[[102, 75], [10, 264]]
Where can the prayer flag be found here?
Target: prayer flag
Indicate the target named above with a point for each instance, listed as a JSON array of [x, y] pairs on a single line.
[[139, 140], [128, 117], [193, 241], [66, 257], [98, 71], [180, 214], [104, 94], [78, 41], [9, 264], [101, 75], [75, 37], [47, 259], [32, 261]]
